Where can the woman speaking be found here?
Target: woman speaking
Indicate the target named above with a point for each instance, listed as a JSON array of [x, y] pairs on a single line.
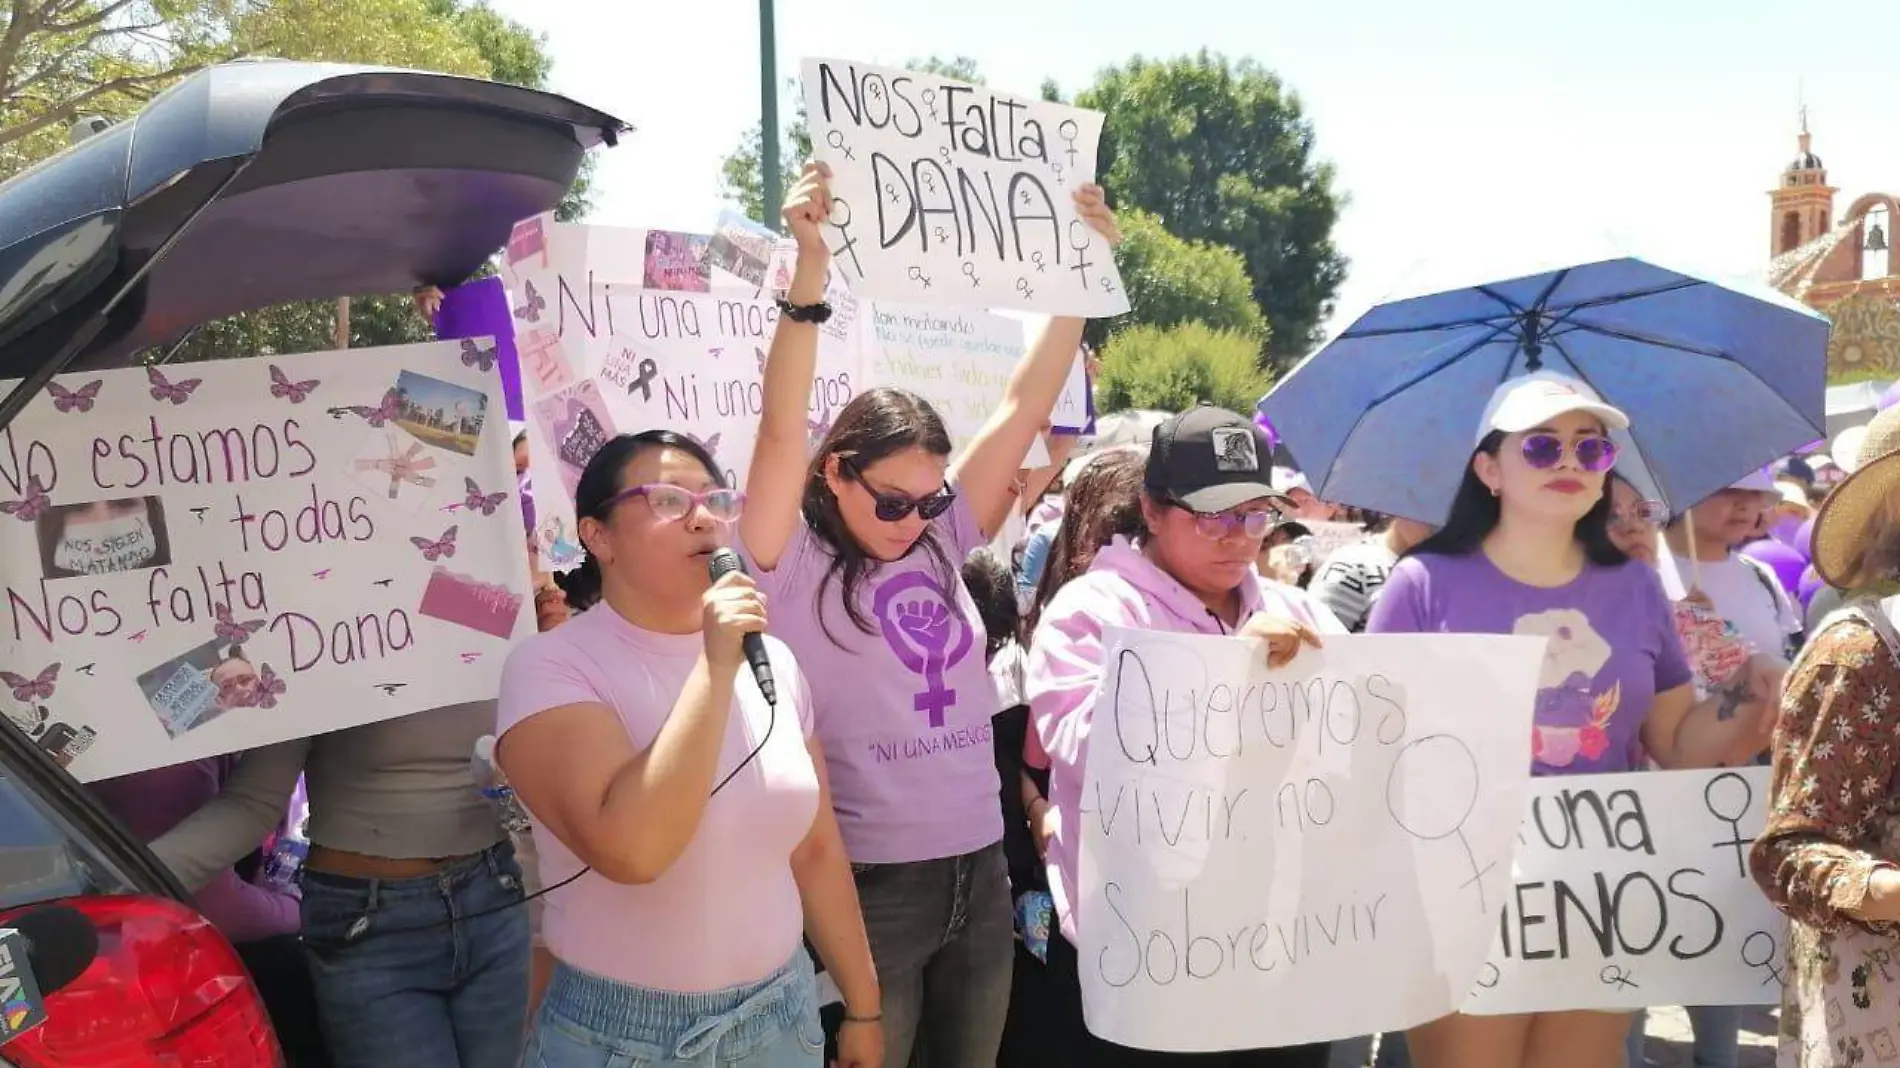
[[690, 813]]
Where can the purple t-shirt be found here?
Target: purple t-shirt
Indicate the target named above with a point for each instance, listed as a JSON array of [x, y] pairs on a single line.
[[903, 713], [1613, 646]]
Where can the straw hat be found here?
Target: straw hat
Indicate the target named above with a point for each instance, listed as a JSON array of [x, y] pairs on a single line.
[[1842, 522]]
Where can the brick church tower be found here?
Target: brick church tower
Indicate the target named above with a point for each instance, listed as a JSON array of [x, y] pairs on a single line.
[[1804, 202]]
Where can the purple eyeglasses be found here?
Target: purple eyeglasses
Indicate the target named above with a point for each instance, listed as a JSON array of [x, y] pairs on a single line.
[[1545, 451], [673, 503]]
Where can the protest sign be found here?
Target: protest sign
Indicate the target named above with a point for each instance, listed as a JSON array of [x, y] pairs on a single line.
[[958, 360], [208, 558], [1329, 538], [1273, 857], [741, 249], [950, 193], [603, 354], [1633, 890]]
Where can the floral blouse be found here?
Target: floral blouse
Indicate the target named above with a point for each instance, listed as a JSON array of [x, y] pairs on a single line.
[[1833, 819]]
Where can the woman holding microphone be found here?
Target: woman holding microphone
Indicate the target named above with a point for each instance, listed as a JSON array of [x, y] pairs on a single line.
[[689, 811]]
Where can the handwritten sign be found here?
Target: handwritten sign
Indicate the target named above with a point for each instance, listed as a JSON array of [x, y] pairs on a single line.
[[1254, 841], [957, 360], [1329, 538], [950, 193], [604, 354], [1633, 890], [203, 559]]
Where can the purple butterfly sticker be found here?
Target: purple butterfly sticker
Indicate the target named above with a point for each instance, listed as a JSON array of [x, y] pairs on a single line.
[[39, 688], [163, 389], [532, 305], [477, 501], [386, 412], [711, 444], [269, 688], [230, 630], [475, 354], [282, 387], [439, 549], [761, 355], [30, 507], [75, 400]]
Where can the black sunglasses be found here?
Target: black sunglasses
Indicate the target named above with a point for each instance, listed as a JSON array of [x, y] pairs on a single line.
[[893, 507]]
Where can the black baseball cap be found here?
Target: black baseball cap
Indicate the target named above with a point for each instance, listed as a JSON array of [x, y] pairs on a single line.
[[1209, 459]]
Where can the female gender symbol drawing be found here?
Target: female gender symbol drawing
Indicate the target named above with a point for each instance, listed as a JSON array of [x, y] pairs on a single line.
[[927, 632], [840, 220], [1431, 791], [1069, 131]]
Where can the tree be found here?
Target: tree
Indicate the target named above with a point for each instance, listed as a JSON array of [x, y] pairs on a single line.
[[1174, 368], [1170, 281], [742, 175], [61, 60], [1223, 153], [452, 36]]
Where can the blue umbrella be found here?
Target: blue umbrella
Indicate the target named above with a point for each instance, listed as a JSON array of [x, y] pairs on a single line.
[[1718, 379]]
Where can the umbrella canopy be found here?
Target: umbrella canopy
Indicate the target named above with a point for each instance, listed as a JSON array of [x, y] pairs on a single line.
[[263, 182], [1718, 379]]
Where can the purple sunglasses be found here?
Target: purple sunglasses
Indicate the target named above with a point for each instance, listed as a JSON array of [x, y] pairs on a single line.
[[1545, 451]]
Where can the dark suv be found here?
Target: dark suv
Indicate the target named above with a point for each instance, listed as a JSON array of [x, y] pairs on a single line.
[[244, 186]]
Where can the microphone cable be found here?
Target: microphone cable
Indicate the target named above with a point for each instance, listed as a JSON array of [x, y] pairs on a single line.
[[359, 931]]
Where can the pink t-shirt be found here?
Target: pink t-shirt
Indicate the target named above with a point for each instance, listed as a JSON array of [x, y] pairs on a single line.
[[727, 912], [903, 712]]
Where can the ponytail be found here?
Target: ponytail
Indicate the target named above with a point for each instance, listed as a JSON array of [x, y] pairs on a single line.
[[582, 585]]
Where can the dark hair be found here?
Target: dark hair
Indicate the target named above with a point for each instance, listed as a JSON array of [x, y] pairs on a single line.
[[873, 425], [52, 527], [521, 437], [1102, 502], [993, 587], [599, 481], [1474, 514]]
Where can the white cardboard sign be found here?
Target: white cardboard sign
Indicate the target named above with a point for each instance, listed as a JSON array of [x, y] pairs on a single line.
[[1256, 841], [950, 193], [1633, 890], [212, 557]]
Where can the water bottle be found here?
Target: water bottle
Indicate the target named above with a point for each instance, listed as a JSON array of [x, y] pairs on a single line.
[[494, 786]]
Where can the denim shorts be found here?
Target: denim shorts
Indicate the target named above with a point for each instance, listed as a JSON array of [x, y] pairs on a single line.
[[589, 1021]]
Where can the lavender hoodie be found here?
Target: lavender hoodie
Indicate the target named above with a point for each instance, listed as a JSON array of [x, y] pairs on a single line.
[[1122, 588]]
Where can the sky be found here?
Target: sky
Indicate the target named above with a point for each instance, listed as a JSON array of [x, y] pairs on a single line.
[[1485, 134]]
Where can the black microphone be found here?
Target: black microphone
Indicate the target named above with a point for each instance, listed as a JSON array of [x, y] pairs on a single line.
[[61, 944], [724, 562]]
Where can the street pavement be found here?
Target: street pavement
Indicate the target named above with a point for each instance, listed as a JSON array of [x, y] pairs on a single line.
[[1670, 1042]]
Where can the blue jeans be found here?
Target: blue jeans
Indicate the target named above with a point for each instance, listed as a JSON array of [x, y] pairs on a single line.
[[588, 1021], [453, 994], [1718, 1036], [943, 936]]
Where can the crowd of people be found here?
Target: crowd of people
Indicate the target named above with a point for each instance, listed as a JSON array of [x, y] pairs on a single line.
[[887, 787]]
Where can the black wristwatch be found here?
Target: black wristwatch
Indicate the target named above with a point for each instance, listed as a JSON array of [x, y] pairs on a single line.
[[815, 314]]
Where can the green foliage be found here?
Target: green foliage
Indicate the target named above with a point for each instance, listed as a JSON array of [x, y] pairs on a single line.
[[1222, 152], [742, 174], [1177, 367], [1171, 281], [62, 59]]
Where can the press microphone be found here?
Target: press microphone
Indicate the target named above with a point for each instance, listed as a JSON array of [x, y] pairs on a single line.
[[41, 952], [724, 562]]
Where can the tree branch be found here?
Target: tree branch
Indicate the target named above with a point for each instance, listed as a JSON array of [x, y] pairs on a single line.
[[22, 22], [58, 65], [93, 19], [130, 84]]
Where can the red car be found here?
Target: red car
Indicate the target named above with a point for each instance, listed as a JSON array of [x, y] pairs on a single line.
[[243, 186]]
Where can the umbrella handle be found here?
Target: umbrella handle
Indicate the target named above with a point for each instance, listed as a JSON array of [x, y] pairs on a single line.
[[1695, 560]]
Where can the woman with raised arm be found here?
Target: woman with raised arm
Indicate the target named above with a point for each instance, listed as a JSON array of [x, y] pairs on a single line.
[[860, 551], [686, 807], [1527, 550]]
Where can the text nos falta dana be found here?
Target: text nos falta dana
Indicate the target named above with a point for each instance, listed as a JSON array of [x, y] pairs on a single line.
[[942, 168]]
